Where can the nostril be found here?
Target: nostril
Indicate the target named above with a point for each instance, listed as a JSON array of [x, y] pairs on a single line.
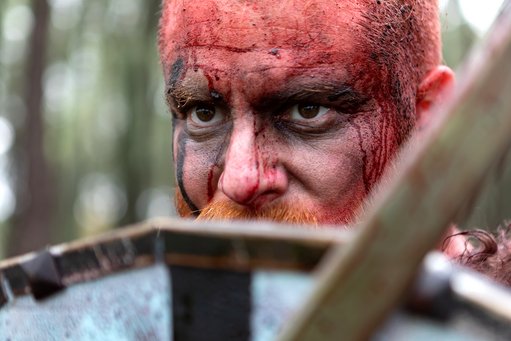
[[254, 189], [263, 199], [240, 189]]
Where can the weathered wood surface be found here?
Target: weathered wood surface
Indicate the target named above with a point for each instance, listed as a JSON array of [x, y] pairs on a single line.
[[360, 283], [174, 279], [213, 245], [164, 279]]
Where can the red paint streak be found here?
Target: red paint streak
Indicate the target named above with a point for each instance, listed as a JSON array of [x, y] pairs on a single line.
[[210, 82], [252, 191], [386, 133], [365, 175], [219, 47], [260, 131], [379, 150]]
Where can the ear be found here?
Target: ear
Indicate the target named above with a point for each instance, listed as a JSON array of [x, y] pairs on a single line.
[[433, 90]]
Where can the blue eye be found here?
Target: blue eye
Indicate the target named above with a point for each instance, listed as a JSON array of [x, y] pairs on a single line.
[[303, 112]]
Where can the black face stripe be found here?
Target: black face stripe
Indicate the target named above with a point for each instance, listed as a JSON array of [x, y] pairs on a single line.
[[176, 72], [181, 154]]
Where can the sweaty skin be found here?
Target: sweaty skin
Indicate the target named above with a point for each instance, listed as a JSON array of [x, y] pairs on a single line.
[[274, 111]]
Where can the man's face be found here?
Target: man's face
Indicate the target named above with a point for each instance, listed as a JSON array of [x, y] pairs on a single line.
[[277, 104]]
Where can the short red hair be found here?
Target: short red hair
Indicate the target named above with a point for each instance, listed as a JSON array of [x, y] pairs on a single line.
[[404, 38]]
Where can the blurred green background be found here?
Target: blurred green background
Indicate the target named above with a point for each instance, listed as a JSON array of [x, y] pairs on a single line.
[[85, 136]]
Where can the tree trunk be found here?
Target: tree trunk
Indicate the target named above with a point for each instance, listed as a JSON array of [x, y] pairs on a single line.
[[34, 193]]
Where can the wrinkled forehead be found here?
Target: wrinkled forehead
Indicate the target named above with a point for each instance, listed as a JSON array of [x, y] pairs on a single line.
[[248, 25]]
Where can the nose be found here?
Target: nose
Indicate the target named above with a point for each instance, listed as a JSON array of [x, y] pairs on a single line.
[[252, 175]]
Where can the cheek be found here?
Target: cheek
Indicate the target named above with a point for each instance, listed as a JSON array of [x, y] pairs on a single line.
[[201, 171], [329, 179], [195, 177], [333, 173], [339, 173]]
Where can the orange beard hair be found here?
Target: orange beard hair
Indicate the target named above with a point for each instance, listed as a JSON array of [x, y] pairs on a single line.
[[228, 210]]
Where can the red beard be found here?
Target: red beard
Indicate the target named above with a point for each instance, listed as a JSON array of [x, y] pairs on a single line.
[[227, 210]]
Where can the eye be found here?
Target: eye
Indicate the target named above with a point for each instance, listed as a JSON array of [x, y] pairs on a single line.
[[305, 112], [203, 116]]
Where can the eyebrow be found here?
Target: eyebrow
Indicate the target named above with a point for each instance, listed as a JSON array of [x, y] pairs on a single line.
[[323, 92], [183, 94]]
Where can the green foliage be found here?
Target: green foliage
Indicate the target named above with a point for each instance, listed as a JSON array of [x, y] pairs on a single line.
[[107, 133]]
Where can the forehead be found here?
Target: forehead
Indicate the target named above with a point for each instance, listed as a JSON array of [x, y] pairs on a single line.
[[301, 28]]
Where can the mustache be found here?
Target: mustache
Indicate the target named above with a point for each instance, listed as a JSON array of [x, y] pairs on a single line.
[[227, 210]]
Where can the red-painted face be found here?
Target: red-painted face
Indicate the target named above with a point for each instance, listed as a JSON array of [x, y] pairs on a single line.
[[276, 104]]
